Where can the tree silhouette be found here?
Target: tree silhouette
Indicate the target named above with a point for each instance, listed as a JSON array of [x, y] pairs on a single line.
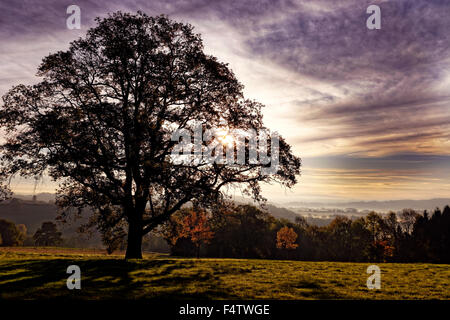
[[102, 118], [408, 218], [241, 231], [340, 238], [10, 234], [47, 235]]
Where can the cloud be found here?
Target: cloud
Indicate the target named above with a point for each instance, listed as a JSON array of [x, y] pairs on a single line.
[[387, 80], [333, 88], [401, 176]]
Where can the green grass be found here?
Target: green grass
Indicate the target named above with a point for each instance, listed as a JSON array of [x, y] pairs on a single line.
[[42, 275]]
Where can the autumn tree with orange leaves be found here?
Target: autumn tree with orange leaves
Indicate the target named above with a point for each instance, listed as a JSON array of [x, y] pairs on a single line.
[[192, 224], [195, 227], [286, 238]]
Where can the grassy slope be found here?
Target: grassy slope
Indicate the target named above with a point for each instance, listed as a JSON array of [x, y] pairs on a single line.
[[40, 274]]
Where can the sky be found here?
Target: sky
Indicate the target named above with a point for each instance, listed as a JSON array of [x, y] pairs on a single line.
[[368, 111]]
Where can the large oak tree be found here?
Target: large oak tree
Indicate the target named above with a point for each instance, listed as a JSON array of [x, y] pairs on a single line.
[[101, 120]]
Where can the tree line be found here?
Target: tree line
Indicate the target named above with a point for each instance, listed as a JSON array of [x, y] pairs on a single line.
[[245, 231], [12, 235]]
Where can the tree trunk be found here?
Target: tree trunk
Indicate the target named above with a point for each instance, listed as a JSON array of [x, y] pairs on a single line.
[[134, 245]]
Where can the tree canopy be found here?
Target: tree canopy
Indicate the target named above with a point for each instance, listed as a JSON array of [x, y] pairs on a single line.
[[47, 235], [10, 234]]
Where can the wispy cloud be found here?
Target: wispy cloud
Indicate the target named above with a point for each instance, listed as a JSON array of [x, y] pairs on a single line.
[[335, 89]]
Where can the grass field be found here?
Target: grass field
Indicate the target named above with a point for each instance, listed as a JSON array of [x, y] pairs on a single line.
[[30, 273]]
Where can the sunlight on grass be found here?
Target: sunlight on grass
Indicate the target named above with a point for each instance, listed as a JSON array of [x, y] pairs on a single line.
[[41, 276]]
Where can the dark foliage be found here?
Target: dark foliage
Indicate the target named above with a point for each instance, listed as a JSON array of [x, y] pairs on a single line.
[[10, 234], [47, 235], [248, 232]]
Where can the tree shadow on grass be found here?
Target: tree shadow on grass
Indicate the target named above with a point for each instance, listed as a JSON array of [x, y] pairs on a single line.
[[147, 279], [312, 289], [109, 279]]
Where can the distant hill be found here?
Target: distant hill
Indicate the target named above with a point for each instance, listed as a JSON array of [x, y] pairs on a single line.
[[387, 205], [23, 210], [393, 205], [281, 213], [277, 212], [33, 213], [29, 213], [44, 196]]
